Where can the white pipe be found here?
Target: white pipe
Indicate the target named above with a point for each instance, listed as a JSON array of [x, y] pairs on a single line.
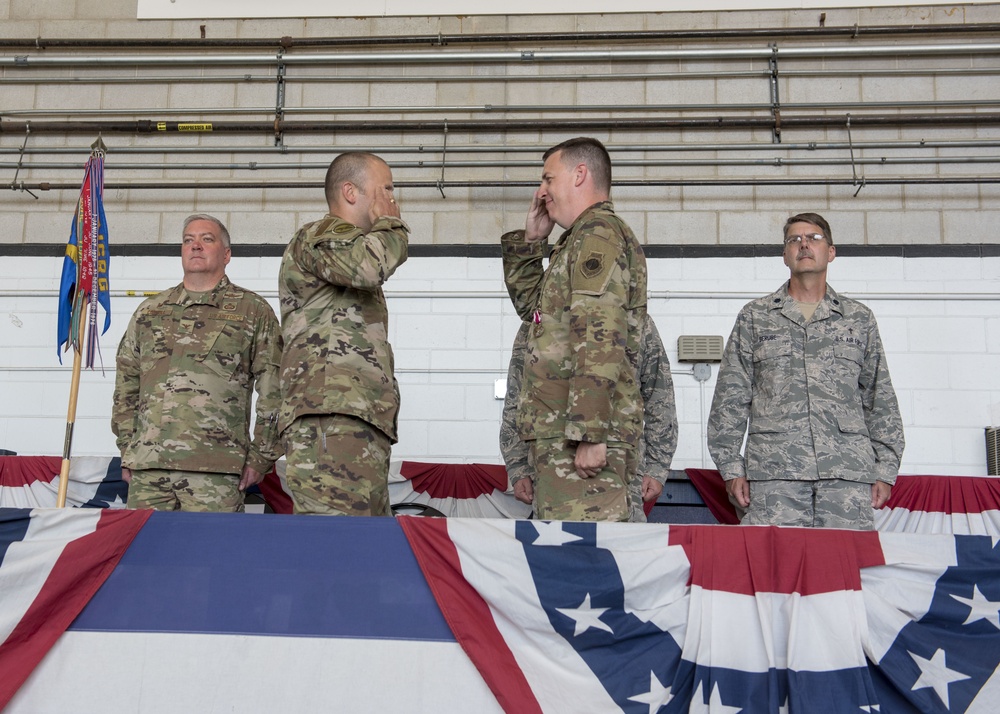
[[511, 56], [503, 296]]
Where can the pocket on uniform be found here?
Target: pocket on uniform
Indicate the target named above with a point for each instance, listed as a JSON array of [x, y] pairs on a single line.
[[222, 353], [770, 349], [852, 353], [852, 424]]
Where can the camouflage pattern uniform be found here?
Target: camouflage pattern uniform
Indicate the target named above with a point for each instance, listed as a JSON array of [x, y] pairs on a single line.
[[340, 400], [187, 366], [817, 397], [580, 368], [659, 416]]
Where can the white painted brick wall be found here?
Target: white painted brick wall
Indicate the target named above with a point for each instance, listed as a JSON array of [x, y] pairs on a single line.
[[944, 353]]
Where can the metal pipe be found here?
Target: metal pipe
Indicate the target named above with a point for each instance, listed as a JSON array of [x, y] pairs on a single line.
[[776, 162], [437, 185], [504, 297], [426, 149], [499, 57], [562, 77], [507, 108], [147, 126], [711, 34]]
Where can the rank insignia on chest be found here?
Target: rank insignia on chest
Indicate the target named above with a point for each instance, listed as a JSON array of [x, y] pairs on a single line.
[[230, 306], [593, 264]]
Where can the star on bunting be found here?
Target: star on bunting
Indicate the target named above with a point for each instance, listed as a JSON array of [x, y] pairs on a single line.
[[586, 617], [934, 673]]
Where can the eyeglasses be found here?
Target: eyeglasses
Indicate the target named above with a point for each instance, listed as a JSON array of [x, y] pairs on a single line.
[[807, 238]]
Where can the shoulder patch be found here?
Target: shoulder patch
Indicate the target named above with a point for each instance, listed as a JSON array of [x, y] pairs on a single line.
[[344, 228], [594, 266]]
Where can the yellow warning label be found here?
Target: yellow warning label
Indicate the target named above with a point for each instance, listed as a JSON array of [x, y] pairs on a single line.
[[161, 126], [194, 127]]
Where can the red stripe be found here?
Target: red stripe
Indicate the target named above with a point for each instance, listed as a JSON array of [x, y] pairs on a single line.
[[753, 559], [20, 471], [946, 494], [78, 573], [467, 614], [454, 480]]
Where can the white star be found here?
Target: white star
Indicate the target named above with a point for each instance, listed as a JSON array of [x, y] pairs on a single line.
[[982, 608], [552, 533], [656, 697], [872, 708], [934, 673], [714, 705], [586, 617]]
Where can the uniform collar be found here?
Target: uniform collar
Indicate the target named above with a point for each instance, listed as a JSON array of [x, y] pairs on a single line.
[[181, 296], [780, 300]]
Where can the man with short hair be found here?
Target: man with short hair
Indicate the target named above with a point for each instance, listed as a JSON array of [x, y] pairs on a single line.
[[340, 400], [187, 368], [580, 408], [805, 378], [659, 423]]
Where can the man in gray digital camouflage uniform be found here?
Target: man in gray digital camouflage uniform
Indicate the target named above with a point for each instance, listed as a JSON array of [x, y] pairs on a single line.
[[340, 400], [659, 423], [187, 368], [580, 409], [805, 378]]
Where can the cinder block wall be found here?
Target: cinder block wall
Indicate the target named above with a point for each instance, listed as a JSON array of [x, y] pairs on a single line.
[[925, 256], [451, 326]]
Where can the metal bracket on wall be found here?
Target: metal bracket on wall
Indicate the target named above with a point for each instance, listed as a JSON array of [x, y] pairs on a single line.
[[20, 163], [444, 158], [860, 183], [775, 97], [279, 99]]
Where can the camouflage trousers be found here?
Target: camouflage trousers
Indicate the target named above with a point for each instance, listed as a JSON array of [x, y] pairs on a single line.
[[561, 495], [337, 465], [166, 490], [827, 503]]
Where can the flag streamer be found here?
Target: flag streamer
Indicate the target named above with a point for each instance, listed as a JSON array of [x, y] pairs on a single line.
[[84, 283]]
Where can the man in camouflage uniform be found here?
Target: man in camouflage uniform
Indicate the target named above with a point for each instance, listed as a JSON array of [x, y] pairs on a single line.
[[580, 408], [804, 368], [340, 400], [659, 422], [187, 367]]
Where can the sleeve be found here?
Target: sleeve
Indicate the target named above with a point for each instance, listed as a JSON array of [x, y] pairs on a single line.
[[597, 326], [523, 271], [265, 365], [359, 260], [512, 447], [727, 421], [659, 431], [881, 410], [125, 402]]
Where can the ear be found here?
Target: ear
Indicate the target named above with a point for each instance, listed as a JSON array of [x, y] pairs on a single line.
[[579, 174], [349, 192], [229, 255], [832, 253]]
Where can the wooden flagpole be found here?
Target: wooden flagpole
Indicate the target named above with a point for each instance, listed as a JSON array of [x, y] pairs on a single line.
[[79, 309], [74, 391]]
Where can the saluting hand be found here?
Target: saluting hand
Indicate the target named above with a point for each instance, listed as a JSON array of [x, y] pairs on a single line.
[[384, 204], [539, 223]]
